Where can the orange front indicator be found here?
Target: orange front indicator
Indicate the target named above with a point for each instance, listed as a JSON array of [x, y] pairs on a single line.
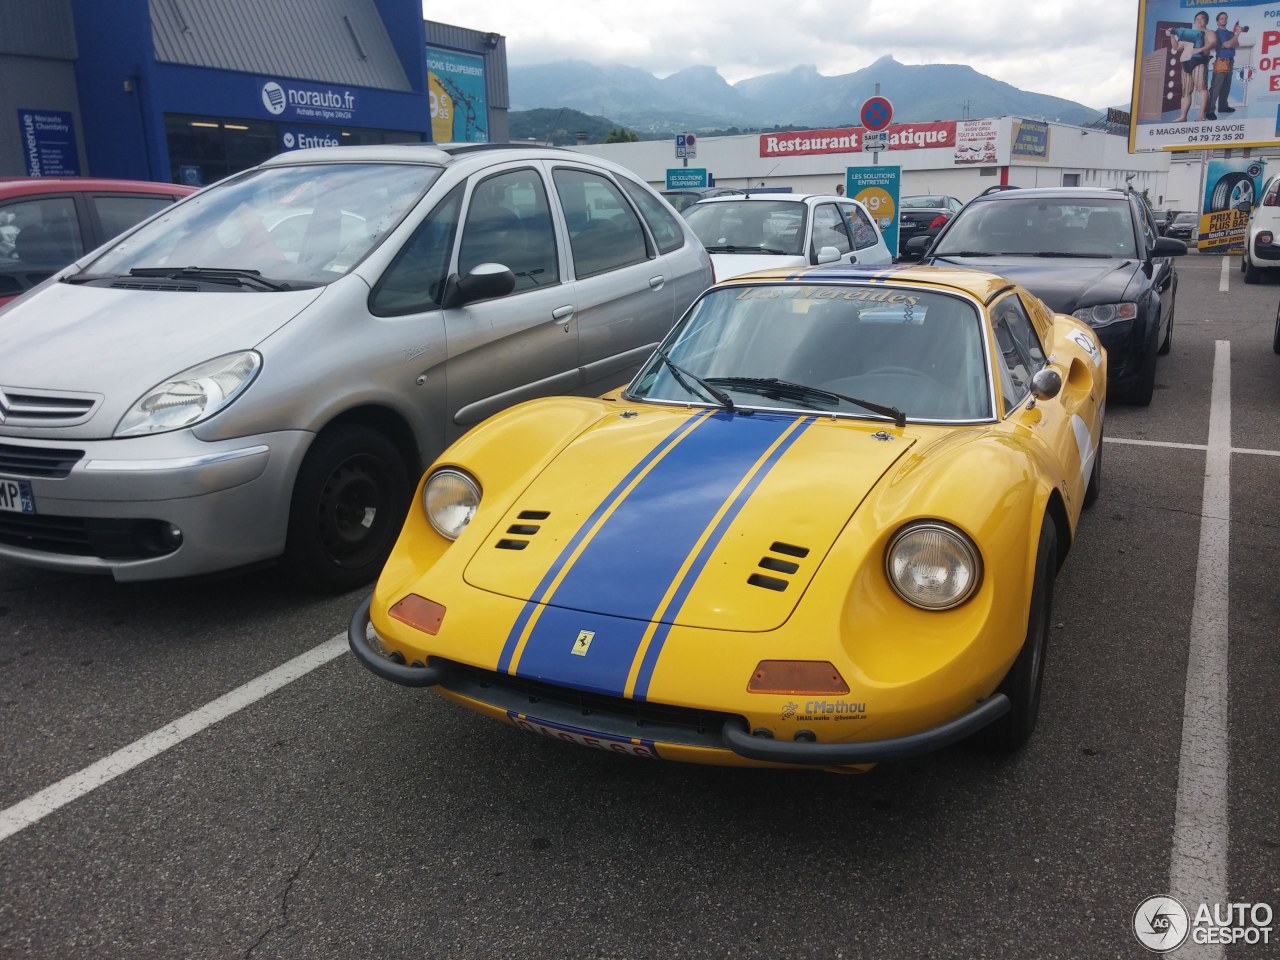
[[796, 676], [419, 613]]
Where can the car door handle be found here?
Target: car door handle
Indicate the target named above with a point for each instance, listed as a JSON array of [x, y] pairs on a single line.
[[563, 315], [657, 282]]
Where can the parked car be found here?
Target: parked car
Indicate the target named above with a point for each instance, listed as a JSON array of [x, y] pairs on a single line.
[[685, 198], [1184, 227], [767, 230], [260, 373], [1262, 234], [1092, 253], [923, 215], [820, 527], [47, 222], [1162, 219], [1275, 337]]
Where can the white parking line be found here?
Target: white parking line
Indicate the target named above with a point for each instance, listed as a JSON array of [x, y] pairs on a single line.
[[38, 806], [1223, 282], [1190, 446], [1198, 860]]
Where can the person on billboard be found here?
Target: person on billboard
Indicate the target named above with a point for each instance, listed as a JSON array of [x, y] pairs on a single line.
[[1224, 62], [1193, 46]]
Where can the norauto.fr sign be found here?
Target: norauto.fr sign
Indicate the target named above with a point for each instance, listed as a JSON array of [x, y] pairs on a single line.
[[939, 134]]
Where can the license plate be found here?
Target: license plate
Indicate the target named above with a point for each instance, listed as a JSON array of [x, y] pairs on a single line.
[[584, 738], [15, 496]]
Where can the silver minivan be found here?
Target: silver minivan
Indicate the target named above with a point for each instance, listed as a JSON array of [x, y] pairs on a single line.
[[261, 371]]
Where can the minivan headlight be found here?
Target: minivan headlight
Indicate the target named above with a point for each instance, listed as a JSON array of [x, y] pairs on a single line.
[[933, 566], [195, 394], [450, 499]]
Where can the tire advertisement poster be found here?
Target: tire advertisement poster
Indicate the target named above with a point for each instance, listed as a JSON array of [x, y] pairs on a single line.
[[1231, 188], [1206, 75]]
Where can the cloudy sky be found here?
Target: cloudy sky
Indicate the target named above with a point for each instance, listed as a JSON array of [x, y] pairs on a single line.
[[1081, 50]]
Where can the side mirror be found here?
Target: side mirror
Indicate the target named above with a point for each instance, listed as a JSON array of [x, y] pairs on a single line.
[[1046, 383], [485, 282], [916, 248], [827, 255], [1168, 247]]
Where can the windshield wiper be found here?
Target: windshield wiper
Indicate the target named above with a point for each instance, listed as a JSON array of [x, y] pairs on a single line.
[[228, 275], [789, 390], [680, 373], [1086, 256], [730, 248]]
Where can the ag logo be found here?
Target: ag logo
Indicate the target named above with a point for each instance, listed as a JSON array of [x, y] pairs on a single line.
[[1161, 924], [583, 643], [273, 97]]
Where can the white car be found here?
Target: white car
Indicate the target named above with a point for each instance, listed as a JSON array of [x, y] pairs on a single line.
[[766, 230], [1262, 234]]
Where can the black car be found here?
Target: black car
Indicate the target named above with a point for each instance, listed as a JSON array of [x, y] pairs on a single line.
[[923, 215], [1183, 226], [1092, 253]]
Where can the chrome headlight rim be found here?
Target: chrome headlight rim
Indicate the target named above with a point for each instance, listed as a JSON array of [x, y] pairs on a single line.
[[955, 536], [468, 484]]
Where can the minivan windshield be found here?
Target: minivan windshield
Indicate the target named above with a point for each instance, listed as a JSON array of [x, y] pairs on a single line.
[[295, 226]]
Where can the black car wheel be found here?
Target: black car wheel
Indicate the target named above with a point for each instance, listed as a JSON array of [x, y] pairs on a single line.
[[1167, 343], [1023, 683], [349, 503], [1275, 339], [1251, 273], [1144, 387]]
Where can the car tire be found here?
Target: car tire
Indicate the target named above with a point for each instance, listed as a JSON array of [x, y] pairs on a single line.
[[349, 502], [1167, 343], [1275, 338], [1231, 191], [1144, 387], [1025, 679], [1251, 273], [1094, 487]]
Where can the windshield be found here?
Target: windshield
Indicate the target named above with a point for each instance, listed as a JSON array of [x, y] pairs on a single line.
[[1041, 226], [913, 350], [298, 225], [750, 226]]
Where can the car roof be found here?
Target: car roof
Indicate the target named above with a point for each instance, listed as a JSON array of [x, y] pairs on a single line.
[[1050, 193], [25, 186], [772, 196], [976, 283]]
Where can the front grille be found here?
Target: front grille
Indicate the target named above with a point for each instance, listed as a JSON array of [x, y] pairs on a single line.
[[25, 406], [618, 716], [54, 462], [109, 539]]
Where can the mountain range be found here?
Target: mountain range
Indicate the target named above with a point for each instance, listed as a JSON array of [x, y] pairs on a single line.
[[698, 99]]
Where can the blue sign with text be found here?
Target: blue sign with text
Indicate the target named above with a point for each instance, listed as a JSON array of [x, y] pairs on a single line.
[[679, 178], [878, 189], [49, 143], [295, 100]]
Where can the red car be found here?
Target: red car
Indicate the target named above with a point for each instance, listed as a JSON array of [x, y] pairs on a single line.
[[47, 222]]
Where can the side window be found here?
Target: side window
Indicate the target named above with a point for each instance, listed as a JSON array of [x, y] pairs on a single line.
[[604, 233], [829, 229], [118, 214], [1020, 351], [666, 232], [1148, 225], [415, 279], [861, 228], [41, 233], [509, 222]]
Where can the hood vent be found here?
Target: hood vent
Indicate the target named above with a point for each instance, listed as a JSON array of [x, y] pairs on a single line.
[[166, 285], [522, 530], [778, 565]]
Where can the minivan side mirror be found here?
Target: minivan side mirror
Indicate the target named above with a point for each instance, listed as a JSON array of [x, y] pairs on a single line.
[[486, 281]]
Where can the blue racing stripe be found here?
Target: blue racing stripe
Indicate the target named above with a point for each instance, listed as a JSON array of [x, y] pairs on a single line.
[[700, 561], [632, 561], [513, 638]]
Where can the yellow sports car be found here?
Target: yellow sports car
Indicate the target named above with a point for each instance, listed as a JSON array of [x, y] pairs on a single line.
[[820, 527]]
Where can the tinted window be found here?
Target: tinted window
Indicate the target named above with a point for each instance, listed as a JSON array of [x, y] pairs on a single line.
[[1020, 351], [118, 214], [509, 222], [415, 279], [1012, 225], [604, 232], [666, 232]]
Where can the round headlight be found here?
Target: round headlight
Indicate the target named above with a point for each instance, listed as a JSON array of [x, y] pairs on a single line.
[[450, 499], [933, 566]]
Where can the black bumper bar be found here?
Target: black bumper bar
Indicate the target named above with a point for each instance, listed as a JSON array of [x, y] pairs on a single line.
[[385, 667]]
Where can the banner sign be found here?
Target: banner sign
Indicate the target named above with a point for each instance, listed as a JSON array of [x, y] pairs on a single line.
[[879, 190], [1206, 75], [296, 100], [1030, 141], [48, 143], [459, 104], [976, 141], [684, 178], [1231, 187], [901, 136]]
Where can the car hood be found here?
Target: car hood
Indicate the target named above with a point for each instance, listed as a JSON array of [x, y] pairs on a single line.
[[729, 265], [1065, 285], [116, 344], [710, 520]]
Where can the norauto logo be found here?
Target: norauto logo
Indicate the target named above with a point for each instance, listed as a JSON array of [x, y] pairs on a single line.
[[320, 103], [273, 97]]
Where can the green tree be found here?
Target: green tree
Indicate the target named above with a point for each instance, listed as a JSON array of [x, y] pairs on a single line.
[[620, 135]]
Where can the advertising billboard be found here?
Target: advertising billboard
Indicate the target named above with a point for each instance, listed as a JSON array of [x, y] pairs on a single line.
[[1206, 75], [459, 106], [1231, 187]]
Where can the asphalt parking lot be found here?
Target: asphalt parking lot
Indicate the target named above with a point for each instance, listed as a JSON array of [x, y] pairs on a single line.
[[167, 790]]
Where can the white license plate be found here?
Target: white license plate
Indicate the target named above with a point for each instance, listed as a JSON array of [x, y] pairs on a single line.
[[15, 496], [584, 738]]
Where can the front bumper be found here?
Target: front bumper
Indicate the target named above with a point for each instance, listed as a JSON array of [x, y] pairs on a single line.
[[114, 508], [680, 732]]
